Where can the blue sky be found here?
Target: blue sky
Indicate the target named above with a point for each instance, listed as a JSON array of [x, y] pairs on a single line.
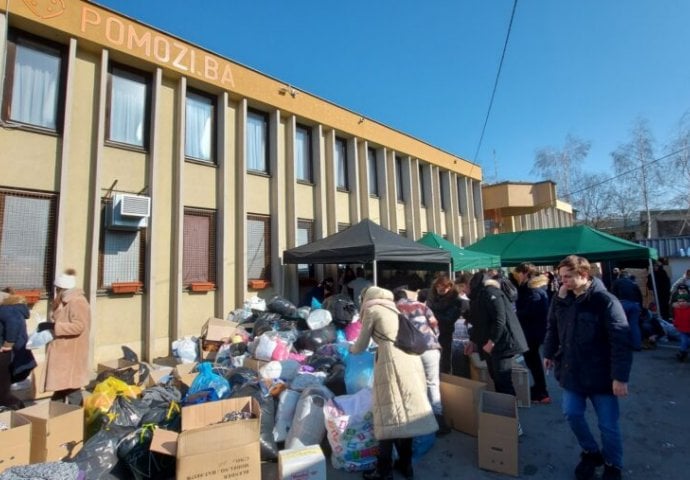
[[588, 67]]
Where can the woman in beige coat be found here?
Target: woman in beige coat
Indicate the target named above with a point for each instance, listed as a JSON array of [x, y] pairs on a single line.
[[67, 356], [401, 408]]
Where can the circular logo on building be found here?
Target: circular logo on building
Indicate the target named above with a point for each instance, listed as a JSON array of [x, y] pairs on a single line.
[[46, 8]]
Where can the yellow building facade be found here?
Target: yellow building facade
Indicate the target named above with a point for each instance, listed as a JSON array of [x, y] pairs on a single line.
[[172, 179]]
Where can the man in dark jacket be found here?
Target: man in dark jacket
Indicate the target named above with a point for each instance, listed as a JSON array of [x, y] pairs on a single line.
[[588, 345], [496, 331], [626, 290]]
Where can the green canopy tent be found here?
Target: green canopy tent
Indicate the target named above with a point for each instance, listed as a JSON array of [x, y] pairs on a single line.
[[550, 245], [462, 259]]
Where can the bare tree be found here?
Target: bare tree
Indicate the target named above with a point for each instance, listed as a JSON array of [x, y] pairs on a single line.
[[639, 176], [592, 200], [679, 152], [563, 166]]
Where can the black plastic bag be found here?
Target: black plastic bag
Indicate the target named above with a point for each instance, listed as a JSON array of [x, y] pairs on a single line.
[[98, 458], [342, 309], [269, 448], [240, 376], [336, 380], [282, 306], [127, 412], [313, 339], [134, 451]]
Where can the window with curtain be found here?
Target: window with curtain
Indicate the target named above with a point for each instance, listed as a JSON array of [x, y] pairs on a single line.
[[128, 106], [373, 172], [199, 246], [199, 127], [422, 186], [257, 141], [303, 156], [33, 81], [27, 239], [341, 164], [399, 178], [121, 255], [305, 235], [258, 247]]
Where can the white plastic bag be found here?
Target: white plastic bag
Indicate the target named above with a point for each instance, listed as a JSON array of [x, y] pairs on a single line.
[[186, 349], [350, 431], [287, 404], [255, 303], [319, 318], [39, 339], [308, 426]]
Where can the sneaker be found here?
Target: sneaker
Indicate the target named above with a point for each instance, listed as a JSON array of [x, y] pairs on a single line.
[[520, 431], [589, 461], [376, 475], [611, 473], [543, 399]]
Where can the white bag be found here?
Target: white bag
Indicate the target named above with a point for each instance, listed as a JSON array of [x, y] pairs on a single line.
[[186, 349], [39, 339], [287, 404], [308, 422]]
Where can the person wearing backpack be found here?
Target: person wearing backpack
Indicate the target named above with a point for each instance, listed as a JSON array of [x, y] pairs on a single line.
[[423, 319], [401, 408]]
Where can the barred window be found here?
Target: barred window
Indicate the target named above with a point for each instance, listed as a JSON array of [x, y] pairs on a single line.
[[121, 254], [27, 239], [199, 249]]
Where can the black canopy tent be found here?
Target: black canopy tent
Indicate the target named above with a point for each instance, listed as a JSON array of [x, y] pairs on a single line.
[[367, 242]]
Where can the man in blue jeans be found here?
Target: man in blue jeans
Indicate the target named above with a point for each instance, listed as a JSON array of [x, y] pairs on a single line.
[[588, 346]]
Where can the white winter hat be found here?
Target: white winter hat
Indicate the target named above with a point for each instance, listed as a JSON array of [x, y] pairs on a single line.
[[67, 280]]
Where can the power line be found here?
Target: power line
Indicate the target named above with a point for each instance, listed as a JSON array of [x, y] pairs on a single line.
[[632, 170], [498, 74]]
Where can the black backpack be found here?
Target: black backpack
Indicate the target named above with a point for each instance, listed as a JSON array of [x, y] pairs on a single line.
[[409, 339]]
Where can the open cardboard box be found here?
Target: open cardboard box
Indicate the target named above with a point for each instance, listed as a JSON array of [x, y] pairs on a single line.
[[305, 463], [209, 448], [498, 433], [57, 430], [520, 376], [214, 333], [460, 398], [15, 442]]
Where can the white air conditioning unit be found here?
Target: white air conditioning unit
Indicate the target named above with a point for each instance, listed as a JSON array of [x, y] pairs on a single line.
[[128, 212]]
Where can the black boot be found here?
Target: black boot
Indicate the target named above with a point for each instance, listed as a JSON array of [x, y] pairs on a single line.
[[443, 428], [589, 461], [405, 469]]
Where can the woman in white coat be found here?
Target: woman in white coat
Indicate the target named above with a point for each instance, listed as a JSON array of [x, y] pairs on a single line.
[[401, 407]]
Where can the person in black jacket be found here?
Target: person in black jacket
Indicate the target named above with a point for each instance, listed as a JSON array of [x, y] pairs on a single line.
[[663, 289], [588, 345], [630, 296], [16, 362], [495, 331], [445, 301]]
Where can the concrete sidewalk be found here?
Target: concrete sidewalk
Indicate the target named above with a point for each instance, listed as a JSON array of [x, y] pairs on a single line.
[[655, 420]]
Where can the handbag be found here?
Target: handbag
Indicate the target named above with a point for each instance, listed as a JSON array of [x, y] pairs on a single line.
[[409, 338]]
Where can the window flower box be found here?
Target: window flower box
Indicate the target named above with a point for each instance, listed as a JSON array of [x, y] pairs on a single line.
[[259, 284], [202, 286], [32, 296], [125, 287]]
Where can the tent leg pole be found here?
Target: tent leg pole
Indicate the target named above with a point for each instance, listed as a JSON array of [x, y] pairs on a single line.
[[376, 279], [654, 289]]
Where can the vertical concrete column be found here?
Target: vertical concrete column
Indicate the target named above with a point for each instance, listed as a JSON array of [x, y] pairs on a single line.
[[277, 182], [415, 199], [411, 207], [222, 306], [290, 287], [478, 209], [241, 203], [177, 207], [321, 184], [391, 185], [353, 184], [363, 178], [465, 201], [382, 186], [152, 167], [434, 180], [453, 213]]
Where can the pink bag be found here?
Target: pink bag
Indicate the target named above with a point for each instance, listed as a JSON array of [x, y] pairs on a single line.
[[352, 330]]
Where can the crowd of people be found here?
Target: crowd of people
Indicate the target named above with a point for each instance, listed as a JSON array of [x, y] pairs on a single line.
[[566, 321]]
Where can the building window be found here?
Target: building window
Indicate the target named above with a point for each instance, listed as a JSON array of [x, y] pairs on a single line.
[[373, 172], [443, 190], [305, 235], [128, 104], [27, 239], [303, 155], [399, 179], [343, 226], [121, 255], [258, 247], [199, 246], [422, 186], [34, 82], [199, 127], [402, 233], [341, 164], [257, 142]]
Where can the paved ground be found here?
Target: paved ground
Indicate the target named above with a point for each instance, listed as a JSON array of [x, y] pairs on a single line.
[[655, 423]]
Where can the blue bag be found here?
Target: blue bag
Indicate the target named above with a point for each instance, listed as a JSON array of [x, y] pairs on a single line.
[[359, 371], [209, 380]]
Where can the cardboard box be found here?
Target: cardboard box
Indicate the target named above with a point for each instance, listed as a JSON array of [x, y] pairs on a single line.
[[36, 388], [156, 374], [185, 373], [521, 379], [15, 443], [57, 430], [306, 463], [218, 330], [498, 433], [212, 450], [118, 364], [460, 397]]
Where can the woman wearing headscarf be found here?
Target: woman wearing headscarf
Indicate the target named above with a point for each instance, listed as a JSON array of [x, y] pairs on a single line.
[[67, 356], [401, 408]]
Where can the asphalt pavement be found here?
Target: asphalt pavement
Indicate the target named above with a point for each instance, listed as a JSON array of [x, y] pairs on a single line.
[[655, 422]]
